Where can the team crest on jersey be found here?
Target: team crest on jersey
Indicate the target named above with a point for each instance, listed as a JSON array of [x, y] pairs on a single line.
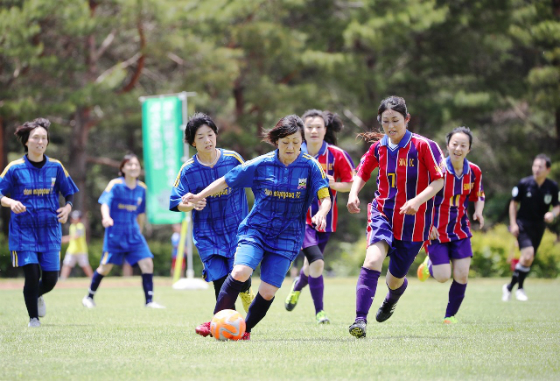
[[139, 201], [547, 198], [53, 181], [302, 183]]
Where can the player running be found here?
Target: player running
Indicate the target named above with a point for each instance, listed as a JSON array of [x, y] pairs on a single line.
[[450, 238], [123, 209], [320, 129], [30, 187], [216, 218], [399, 217], [285, 182]]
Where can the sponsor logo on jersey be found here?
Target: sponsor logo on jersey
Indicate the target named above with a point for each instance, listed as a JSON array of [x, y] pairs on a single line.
[[547, 198]]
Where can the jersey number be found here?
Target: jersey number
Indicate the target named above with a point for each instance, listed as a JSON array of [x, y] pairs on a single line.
[[392, 177], [454, 200]]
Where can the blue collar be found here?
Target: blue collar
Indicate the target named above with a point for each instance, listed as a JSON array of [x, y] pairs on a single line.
[[321, 150], [450, 169], [404, 141], [277, 157]]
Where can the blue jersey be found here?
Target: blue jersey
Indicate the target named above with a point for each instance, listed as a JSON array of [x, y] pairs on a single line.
[[125, 205], [37, 229], [215, 226], [282, 196]]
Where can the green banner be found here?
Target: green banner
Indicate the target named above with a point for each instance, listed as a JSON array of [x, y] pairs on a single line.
[[163, 149]]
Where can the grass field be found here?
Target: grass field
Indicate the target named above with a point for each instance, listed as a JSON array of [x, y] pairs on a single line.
[[120, 339]]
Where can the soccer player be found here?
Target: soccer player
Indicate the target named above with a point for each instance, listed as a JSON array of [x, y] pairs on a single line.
[[123, 212], [450, 237], [77, 251], [534, 195], [400, 216], [175, 238], [320, 129], [216, 218], [285, 182], [30, 187]]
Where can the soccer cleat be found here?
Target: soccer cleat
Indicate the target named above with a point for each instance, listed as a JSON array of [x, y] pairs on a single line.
[[322, 318], [154, 305], [247, 298], [203, 329], [88, 302], [506, 293], [450, 320], [293, 297], [385, 311], [41, 306], [423, 270], [358, 329], [519, 295], [34, 323], [246, 336]]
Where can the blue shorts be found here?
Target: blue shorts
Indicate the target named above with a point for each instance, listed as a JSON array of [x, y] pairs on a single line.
[[441, 253], [273, 266], [314, 238], [216, 267], [132, 257], [49, 261], [401, 253]]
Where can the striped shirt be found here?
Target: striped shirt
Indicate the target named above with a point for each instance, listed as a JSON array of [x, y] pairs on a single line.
[[450, 212], [336, 163], [215, 226], [404, 172]]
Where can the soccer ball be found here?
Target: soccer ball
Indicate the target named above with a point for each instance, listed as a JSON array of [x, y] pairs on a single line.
[[227, 325]]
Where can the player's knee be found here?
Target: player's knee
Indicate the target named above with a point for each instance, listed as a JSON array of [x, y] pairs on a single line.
[[441, 278], [49, 279], [241, 273]]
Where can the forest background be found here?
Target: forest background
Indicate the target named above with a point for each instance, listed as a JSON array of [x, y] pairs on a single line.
[[491, 65]]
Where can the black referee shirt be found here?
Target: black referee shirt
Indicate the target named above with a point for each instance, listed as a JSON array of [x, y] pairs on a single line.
[[534, 201]]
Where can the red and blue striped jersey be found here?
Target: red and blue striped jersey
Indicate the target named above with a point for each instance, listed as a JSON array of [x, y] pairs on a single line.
[[450, 212], [37, 229], [404, 172], [336, 163]]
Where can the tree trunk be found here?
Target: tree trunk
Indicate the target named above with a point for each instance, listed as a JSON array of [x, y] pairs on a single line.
[[4, 212]]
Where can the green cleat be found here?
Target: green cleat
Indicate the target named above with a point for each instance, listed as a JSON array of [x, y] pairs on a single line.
[[247, 298], [293, 297], [322, 318], [424, 270], [450, 320]]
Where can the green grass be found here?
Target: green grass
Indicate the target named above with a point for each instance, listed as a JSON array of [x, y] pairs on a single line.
[[120, 339]]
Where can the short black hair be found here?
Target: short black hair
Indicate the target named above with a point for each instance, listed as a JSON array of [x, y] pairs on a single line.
[[23, 131], [195, 122], [462, 130], [546, 159], [286, 126], [332, 121], [393, 103], [129, 156]]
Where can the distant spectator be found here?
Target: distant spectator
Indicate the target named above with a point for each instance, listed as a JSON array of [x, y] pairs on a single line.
[[77, 251]]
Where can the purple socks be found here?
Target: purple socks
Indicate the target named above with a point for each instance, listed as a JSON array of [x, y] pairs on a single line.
[[302, 281], [393, 296], [456, 296], [317, 288], [365, 291]]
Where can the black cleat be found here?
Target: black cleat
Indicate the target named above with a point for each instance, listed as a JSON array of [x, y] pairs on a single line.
[[358, 329], [385, 311]]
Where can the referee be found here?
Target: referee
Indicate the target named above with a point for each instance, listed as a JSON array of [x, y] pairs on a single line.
[[528, 215]]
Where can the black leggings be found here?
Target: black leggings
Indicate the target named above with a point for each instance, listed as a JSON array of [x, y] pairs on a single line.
[[36, 284]]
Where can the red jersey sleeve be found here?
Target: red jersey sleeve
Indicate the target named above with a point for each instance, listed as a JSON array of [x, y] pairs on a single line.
[[433, 159], [368, 163], [344, 167], [477, 192]]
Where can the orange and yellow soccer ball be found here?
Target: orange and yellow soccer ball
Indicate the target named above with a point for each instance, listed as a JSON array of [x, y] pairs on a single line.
[[227, 325]]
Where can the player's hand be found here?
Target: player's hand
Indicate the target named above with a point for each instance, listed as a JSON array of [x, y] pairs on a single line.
[[353, 204], [410, 207], [107, 221], [514, 229], [319, 221], [549, 217], [17, 207], [199, 205], [189, 197], [331, 181], [478, 217], [62, 213], [434, 234]]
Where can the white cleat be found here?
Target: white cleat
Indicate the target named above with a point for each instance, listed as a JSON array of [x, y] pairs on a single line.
[[41, 306], [34, 323], [88, 302], [506, 294], [520, 295], [154, 305]]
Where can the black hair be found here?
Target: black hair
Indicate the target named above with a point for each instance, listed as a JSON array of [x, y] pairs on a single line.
[[195, 122], [129, 156], [332, 121], [546, 159], [286, 126], [75, 214], [23, 131], [392, 103], [460, 130]]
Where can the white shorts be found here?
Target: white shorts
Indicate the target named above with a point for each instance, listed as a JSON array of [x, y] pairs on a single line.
[[72, 259]]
